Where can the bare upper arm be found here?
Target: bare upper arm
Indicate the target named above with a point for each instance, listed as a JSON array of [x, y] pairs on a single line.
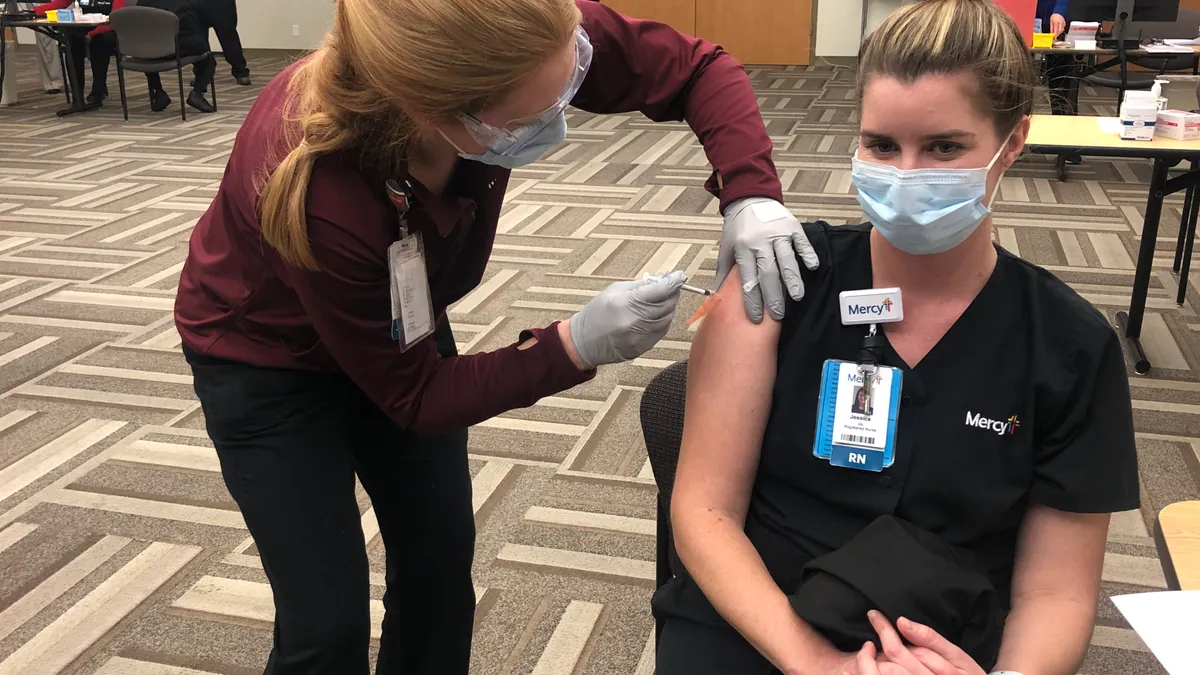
[[1060, 553], [731, 374]]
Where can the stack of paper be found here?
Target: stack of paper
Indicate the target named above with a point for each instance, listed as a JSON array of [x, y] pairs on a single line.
[[1168, 49], [1166, 622], [1193, 42]]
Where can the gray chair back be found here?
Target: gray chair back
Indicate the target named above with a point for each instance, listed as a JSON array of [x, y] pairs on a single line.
[[145, 32], [662, 425]]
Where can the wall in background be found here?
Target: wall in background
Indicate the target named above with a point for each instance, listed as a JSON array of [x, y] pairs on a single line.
[[282, 24], [270, 24], [840, 22], [838, 26]]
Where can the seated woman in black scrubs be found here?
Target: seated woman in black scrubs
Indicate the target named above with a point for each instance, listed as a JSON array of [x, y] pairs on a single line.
[[1015, 435]]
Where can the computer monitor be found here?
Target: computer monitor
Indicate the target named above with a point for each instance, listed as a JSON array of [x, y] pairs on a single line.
[[1134, 10], [96, 6]]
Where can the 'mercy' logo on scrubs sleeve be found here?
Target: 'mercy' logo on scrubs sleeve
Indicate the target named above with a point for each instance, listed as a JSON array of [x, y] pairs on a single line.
[[1006, 427]]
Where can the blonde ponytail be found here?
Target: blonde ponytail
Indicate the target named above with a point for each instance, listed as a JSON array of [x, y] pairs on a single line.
[[358, 90]]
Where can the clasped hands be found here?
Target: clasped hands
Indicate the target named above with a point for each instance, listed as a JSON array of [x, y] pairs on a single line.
[[927, 654]]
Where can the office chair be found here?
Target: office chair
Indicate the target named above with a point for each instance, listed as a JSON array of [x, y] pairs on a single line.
[[148, 42], [662, 427], [1186, 26]]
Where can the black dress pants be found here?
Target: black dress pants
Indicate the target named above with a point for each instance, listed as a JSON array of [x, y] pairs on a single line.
[[202, 71], [222, 16], [101, 50], [290, 444]]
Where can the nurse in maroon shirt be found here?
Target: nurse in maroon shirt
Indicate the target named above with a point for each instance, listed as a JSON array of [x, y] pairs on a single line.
[[391, 142]]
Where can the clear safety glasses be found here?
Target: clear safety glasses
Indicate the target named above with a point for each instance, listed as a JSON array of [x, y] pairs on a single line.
[[508, 142]]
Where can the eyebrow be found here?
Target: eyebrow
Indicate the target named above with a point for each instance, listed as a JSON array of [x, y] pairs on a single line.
[[952, 134]]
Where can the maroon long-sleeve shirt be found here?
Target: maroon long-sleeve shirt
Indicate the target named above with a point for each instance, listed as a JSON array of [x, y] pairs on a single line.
[[238, 300]]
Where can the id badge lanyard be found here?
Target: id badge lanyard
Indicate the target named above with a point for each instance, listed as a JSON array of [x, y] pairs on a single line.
[[859, 401], [412, 303]]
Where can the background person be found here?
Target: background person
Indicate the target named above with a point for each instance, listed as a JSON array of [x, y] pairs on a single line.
[[285, 310], [47, 52], [1024, 488], [193, 40], [49, 61], [222, 16]]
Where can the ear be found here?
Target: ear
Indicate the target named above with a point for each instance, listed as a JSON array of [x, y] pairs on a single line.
[[1016, 142]]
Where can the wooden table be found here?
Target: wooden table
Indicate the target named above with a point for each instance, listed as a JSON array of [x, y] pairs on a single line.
[[1131, 53], [59, 32], [1065, 134], [1177, 536]]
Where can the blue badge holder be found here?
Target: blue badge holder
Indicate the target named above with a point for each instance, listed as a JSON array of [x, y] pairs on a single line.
[[849, 456]]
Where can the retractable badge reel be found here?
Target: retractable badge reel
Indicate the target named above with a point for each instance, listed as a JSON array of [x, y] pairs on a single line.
[[412, 303], [859, 401]]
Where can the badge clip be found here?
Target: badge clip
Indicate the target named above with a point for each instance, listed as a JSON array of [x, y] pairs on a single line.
[[401, 196]]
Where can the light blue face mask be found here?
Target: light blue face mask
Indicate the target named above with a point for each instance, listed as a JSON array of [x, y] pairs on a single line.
[[923, 211], [530, 151], [520, 147]]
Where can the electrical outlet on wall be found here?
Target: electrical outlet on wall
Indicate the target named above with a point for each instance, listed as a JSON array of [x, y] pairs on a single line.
[[295, 30]]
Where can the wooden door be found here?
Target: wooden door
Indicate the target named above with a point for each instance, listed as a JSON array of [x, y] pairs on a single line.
[[679, 14], [758, 32]]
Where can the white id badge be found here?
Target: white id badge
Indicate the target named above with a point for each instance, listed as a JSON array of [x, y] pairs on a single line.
[[856, 421], [860, 416], [412, 303]]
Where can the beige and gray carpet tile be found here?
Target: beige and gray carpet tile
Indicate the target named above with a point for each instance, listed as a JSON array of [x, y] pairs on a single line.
[[121, 553]]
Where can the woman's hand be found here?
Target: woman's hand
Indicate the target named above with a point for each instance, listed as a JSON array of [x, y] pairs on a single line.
[[625, 321], [931, 654], [869, 662]]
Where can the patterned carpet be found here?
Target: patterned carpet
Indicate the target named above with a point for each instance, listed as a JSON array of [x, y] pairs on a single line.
[[121, 552]]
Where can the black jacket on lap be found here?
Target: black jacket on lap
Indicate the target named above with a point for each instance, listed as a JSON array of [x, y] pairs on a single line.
[[903, 571]]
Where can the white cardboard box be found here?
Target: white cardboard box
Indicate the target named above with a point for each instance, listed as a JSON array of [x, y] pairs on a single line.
[[1138, 121], [1179, 125]]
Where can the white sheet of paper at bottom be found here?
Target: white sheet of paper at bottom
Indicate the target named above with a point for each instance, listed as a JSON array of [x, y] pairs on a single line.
[[1109, 125], [1167, 622]]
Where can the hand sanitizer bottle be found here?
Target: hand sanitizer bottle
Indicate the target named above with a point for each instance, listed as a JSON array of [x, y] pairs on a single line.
[[1156, 92]]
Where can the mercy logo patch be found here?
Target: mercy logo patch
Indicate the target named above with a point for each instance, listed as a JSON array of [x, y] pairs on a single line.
[[1000, 427], [871, 310]]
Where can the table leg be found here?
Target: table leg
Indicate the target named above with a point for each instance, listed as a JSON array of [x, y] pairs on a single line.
[[1164, 557], [1131, 322], [1187, 206], [75, 82], [1189, 227], [3, 54], [1060, 168]]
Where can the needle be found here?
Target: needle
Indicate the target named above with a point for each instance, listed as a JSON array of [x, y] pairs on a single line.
[[696, 289]]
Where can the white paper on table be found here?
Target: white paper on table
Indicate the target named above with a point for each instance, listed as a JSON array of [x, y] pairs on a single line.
[[1168, 49], [1109, 125], [1190, 42], [1166, 622]]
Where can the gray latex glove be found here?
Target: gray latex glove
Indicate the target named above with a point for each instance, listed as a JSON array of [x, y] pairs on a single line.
[[763, 238], [626, 320]]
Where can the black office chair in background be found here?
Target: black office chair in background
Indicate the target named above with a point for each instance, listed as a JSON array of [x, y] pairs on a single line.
[[1186, 26], [148, 42], [662, 427]]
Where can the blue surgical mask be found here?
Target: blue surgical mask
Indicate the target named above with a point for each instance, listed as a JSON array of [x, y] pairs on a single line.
[[923, 211], [531, 150]]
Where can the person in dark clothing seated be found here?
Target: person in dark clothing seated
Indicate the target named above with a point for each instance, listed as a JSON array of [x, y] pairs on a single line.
[[1001, 437], [193, 39]]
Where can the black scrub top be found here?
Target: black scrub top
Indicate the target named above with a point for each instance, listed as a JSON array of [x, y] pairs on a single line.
[[1024, 400]]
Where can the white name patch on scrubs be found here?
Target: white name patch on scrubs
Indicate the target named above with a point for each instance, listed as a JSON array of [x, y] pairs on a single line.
[[873, 305]]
